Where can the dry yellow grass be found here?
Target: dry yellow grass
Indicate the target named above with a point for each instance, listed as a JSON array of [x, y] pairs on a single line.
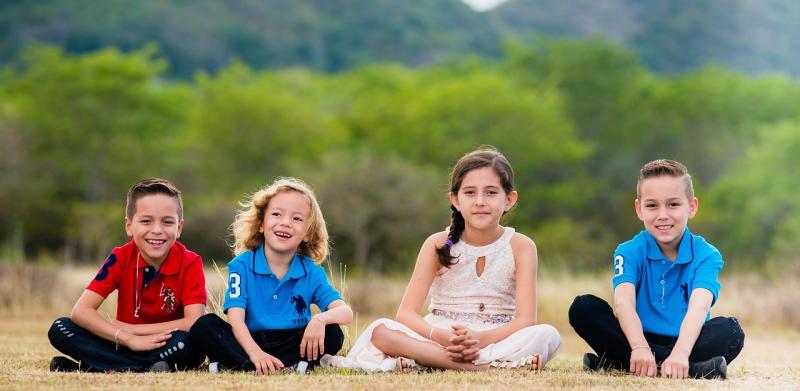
[[770, 359]]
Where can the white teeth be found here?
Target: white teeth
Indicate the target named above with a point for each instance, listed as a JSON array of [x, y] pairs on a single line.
[[283, 234]]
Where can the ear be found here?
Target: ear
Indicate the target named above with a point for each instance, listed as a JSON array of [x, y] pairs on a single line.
[[694, 204], [180, 229], [454, 200], [638, 206], [511, 200], [128, 227]]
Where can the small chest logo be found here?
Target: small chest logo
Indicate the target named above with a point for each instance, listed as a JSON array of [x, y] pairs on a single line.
[[300, 308], [169, 299]]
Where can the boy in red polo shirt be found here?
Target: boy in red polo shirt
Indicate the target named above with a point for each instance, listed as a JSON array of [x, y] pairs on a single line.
[[161, 293]]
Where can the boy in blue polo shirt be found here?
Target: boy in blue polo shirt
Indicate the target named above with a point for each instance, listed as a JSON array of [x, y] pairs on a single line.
[[280, 237], [665, 282]]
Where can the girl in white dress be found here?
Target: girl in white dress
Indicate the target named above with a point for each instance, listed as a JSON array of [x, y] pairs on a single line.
[[481, 278]]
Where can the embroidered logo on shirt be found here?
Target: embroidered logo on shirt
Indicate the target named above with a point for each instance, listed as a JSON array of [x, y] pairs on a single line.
[[300, 308], [169, 299]]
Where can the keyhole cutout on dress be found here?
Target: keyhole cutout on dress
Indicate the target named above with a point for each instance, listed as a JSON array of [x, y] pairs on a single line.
[[480, 265]]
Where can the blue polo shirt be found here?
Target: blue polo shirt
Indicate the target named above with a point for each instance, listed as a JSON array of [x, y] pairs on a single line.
[[273, 304], [663, 287]]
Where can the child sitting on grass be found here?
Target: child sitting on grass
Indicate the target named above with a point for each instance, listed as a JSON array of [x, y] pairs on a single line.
[[665, 282], [161, 289]]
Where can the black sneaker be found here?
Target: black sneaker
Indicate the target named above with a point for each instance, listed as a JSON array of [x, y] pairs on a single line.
[[593, 363], [715, 367], [160, 366], [63, 364]]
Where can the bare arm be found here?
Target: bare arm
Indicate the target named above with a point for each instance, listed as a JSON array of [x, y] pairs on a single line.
[[85, 315], [338, 313], [643, 362], [417, 290], [677, 364], [263, 362], [313, 343]]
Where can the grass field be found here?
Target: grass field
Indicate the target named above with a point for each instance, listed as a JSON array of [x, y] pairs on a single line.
[[770, 359]]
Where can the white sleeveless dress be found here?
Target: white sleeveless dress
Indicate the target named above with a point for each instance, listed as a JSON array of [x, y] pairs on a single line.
[[459, 295]]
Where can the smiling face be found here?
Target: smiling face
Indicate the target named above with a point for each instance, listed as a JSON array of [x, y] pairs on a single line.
[[285, 223], [155, 226], [482, 200], [665, 209]]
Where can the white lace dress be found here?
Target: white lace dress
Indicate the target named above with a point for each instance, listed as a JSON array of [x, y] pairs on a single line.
[[459, 295]]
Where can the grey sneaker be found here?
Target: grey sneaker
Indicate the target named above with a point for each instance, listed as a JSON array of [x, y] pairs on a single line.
[[160, 366], [715, 367], [300, 367]]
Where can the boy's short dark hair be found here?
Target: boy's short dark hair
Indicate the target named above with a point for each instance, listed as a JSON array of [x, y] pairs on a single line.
[[149, 186], [665, 167]]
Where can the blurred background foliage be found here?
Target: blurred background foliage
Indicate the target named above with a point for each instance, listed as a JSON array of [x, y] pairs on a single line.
[[371, 102]]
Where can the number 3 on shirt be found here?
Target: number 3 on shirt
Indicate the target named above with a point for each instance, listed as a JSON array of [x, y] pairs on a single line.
[[233, 285], [618, 262]]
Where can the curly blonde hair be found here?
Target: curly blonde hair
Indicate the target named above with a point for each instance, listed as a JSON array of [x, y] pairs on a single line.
[[245, 227]]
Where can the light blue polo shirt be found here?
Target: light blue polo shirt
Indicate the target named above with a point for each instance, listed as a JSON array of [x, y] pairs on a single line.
[[272, 304], [663, 287]]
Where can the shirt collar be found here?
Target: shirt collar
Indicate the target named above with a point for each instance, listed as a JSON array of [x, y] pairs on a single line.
[[170, 266], [296, 269], [684, 249]]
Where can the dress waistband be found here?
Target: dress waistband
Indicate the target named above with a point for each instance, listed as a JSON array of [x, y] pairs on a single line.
[[474, 317]]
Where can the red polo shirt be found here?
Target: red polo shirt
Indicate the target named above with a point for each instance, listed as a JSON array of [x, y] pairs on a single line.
[[159, 295]]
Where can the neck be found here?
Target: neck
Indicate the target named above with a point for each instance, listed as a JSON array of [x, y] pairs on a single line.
[[478, 237], [277, 260]]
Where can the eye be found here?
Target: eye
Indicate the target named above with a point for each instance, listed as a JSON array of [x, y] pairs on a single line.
[[144, 221], [168, 222], [298, 219], [675, 204], [650, 205], [469, 192], [492, 192], [275, 214]]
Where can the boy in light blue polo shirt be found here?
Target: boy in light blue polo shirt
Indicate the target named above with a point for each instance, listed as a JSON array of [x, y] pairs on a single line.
[[665, 282], [280, 239], [275, 304]]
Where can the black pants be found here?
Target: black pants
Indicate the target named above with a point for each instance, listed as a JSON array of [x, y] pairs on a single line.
[[215, 337], [594, 320], [96, 354]]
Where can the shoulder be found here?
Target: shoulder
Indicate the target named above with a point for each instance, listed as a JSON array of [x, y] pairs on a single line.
[[704, 250], [123, 251], [522, 243], [310, 265], [635, 245], [699, 243], [191, 257], [240, 262], [435, 240]]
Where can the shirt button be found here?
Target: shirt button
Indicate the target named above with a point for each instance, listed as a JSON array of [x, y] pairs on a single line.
[[147, 270], [274, 297]]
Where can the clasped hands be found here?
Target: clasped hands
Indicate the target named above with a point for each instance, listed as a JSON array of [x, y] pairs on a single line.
[[464, 344]]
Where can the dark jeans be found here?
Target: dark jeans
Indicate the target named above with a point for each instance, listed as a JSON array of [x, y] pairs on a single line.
[[96, 354], [215, 337], [594, 320]]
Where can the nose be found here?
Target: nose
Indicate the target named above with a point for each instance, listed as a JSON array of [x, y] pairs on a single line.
[[662, 213], [479, 199]]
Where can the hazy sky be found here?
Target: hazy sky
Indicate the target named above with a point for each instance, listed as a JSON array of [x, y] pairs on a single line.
[[483, 5]]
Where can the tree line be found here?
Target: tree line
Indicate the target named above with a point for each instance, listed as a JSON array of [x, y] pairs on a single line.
[[576, 118]]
